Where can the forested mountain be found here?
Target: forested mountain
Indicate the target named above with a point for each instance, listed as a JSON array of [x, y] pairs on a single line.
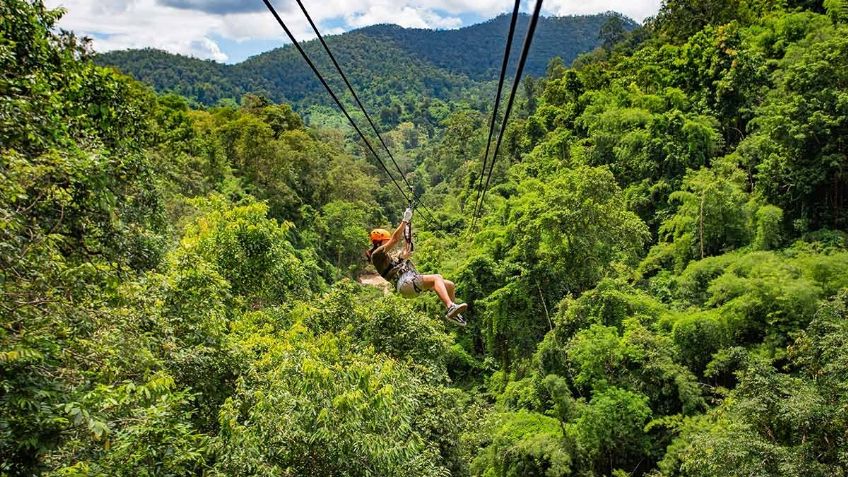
[[477, 51], [205, 81], [389, 64], [657, 284]]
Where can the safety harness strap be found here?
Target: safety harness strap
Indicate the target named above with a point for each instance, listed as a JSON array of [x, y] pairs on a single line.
[[407, 236]]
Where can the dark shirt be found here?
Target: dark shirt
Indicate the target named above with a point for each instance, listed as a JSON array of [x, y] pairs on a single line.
[[386, 266]]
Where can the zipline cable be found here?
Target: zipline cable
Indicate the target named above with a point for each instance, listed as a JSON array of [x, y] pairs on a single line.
[[528, 40], [350, 87], [359, 103], [335, 98], [504, 67]]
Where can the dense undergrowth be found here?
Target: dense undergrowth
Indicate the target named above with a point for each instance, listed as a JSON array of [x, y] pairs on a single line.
[[659, 285]]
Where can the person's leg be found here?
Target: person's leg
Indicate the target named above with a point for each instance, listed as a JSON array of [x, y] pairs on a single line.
[[438, 285], [451, 290]]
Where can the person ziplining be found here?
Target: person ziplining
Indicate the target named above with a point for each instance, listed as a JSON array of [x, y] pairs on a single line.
[[397, 268]]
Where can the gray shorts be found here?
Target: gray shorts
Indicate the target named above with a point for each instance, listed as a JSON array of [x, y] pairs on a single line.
[[410, 284]]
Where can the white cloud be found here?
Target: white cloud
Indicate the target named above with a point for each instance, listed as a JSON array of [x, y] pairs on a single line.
[[206, 48], [191, 27], [635, 9], [260, 25], [122, 24], [484, 8], [405, 16], [141, 23]]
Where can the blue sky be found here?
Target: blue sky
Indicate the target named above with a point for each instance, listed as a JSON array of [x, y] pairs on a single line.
[[233, 30]]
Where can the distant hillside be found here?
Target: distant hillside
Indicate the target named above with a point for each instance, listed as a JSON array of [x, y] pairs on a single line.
[[204, 81], [386, 63], [477, 51]]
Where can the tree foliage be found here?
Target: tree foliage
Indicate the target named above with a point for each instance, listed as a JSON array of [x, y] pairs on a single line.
[[657, 285]]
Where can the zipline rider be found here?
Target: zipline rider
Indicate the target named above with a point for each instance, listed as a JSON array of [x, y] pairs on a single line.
[[399, 270]]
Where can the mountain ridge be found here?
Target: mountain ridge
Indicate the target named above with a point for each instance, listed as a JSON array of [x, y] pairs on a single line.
[[438, 64]]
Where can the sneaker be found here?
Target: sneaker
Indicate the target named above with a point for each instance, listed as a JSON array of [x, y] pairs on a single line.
[[454, 313], [457, 320]]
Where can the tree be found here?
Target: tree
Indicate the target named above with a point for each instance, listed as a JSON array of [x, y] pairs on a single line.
[[559, 234], [251, 251], [712, 218], [804, 127], [837, 10], [80, 212], [680, 19], [340, 389], [609, 431], [612, 31], [525, 444], [345, 238], [775, 423]]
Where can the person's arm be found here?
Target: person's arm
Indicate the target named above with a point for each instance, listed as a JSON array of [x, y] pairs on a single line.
[[398, 233]]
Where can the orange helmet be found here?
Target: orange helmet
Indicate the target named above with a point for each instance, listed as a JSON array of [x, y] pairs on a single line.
[[378, 235]]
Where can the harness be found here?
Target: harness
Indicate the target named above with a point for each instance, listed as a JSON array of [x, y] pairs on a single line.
[[407, 237], [395, 268], [406, 266]]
